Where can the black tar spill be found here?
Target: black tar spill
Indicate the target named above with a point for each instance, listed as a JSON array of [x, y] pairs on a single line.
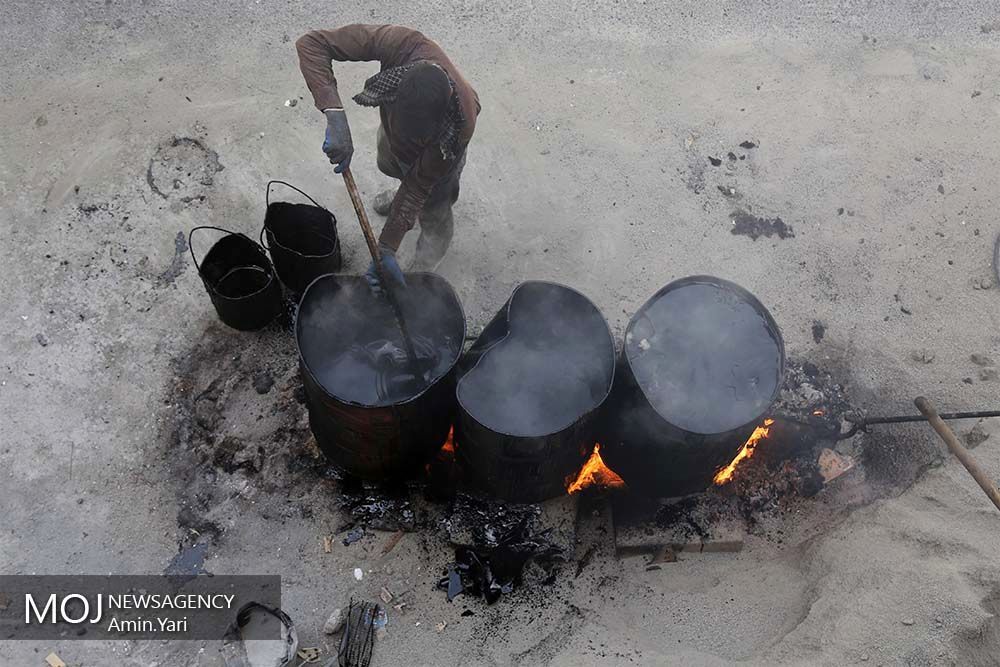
[[746, 224]]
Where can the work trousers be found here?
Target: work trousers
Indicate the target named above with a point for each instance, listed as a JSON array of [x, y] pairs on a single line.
[[436, 220]]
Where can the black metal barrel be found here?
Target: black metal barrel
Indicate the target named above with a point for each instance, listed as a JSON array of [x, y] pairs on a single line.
[[302, 239], [239, 279], [702, 363], [529, 389], [352, 359]]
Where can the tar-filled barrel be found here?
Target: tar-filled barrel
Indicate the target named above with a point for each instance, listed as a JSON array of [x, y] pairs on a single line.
[[702, 363], [239, 279], [528, 393], [301, 238], [376, 412]]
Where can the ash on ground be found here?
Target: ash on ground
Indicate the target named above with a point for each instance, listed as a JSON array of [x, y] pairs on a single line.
[[234, 449], [239, 445], [810, 412]]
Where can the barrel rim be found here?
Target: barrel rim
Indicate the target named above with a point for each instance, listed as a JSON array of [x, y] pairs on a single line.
[[305, 367], [597, 406], [741, 291]]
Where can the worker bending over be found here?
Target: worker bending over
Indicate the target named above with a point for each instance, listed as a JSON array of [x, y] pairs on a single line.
[[428, 114]]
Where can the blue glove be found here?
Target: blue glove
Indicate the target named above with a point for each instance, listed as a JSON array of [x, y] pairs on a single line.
[[338, 145], [390, 268]]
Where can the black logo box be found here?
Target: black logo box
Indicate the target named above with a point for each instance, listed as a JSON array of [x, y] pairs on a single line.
[[131, 606]]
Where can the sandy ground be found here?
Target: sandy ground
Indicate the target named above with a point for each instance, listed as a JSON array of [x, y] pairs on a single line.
[[876, 125]]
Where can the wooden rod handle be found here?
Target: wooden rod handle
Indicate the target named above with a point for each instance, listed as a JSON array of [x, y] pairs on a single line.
[[359, 208], [960, 452]]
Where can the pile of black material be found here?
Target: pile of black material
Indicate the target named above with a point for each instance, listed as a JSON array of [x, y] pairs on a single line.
[[377, 506], [501, 543]]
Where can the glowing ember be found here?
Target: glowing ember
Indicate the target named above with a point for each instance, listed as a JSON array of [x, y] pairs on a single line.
[[595, 473], [449, 445], [760, 433]]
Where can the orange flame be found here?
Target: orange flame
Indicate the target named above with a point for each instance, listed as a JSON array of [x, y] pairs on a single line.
[[595, 473], [759, 433], [449, 445]]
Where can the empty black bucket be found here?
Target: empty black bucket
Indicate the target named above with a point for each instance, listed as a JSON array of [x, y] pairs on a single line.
[[364, 419], [239, 279], [302, 240], [702, 363], [529, 390]]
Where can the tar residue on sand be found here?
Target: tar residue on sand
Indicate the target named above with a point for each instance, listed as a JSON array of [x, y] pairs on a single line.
[[707, 358], [350, 340], [747, 224], [500, 543], [554, 365]]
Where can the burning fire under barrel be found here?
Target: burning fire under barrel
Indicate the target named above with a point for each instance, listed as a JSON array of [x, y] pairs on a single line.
[[703, 362], [529, 393], [519, 415]]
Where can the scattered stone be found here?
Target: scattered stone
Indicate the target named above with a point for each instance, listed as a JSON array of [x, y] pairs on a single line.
[[967, 380], [732, 156], [746, 224], [41, 121], [988, 374], [729, 191], [354, 535], [987, 28], [907, 621], [982, 283], [941, 188], [976, 436], [334, 623], [42, 339], [359, 573], [441, 626], [715, 162], [840, 211], [976, 93], [468, 612], [748, 144], [923, 356], [291, 103], [905, 310], [818, 331], [262, 382], [981, 359]]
